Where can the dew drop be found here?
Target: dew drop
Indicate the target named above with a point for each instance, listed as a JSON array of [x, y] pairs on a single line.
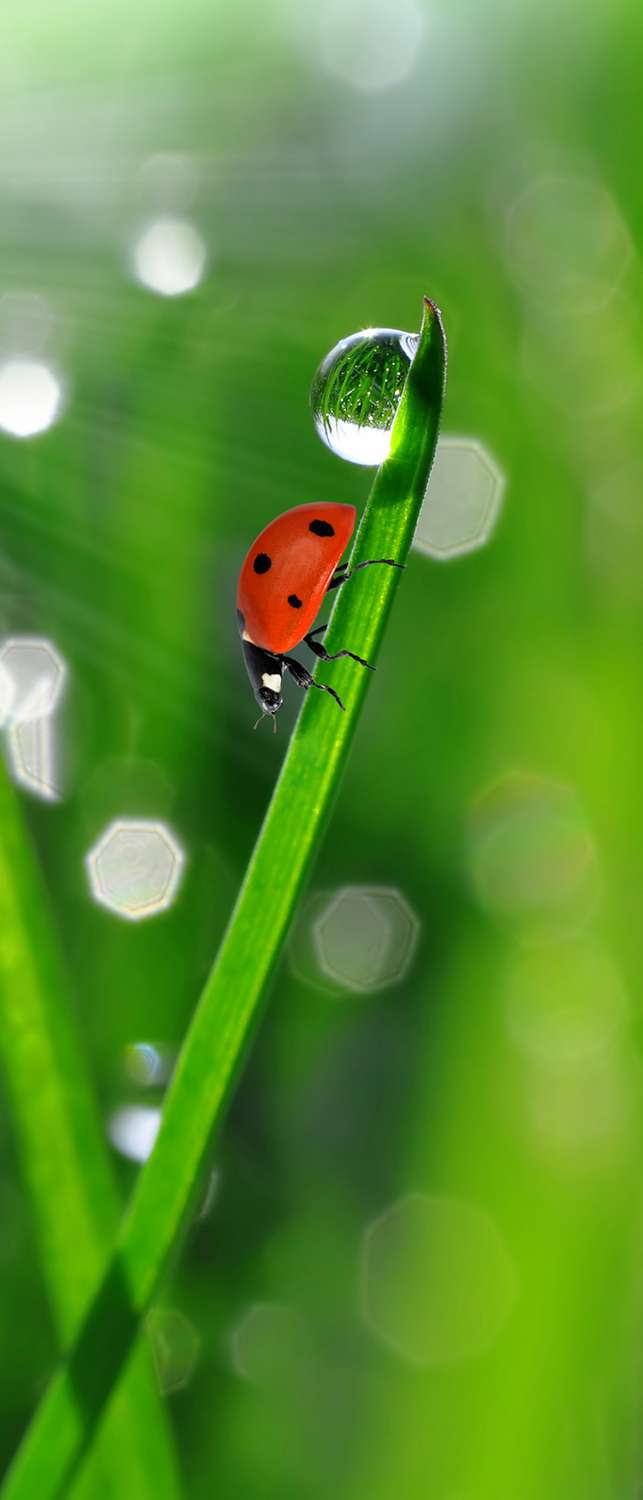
[[356, 392]]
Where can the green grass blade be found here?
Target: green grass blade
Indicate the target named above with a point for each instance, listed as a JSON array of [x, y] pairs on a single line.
[[229, 1004], [66, 1165]]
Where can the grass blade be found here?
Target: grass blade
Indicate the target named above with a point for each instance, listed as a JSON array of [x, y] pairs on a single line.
[[66, 1165], [230, 1001]]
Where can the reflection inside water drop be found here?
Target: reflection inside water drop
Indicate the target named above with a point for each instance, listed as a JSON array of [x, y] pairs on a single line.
[[356, 392]]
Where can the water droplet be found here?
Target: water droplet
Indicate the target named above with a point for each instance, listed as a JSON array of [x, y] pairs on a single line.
[[356, 392]]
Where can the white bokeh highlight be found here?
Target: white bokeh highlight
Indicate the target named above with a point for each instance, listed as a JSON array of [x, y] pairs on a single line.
[[363, 436], [462, 501], [370, 45], [37, 675], [32, 680], [365, 938], [133, 1129], [31, 397], [169, 257], [437, 1281], [135, 868]]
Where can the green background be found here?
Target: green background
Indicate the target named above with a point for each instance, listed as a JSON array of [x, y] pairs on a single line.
[[495, 778]]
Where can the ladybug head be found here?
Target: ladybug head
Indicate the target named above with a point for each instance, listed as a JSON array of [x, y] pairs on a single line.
[[264, 671], [268, 695], [269, 698], [269, 702]]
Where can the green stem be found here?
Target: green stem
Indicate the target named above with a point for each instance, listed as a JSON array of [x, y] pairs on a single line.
[[229, 1005], [65, 1163]]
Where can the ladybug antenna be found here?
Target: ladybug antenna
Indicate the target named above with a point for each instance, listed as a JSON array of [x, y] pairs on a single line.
[[261, 719]]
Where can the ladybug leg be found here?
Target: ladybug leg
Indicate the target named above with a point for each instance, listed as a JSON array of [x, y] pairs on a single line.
[[343, 573], [304, 680], [320, 651]]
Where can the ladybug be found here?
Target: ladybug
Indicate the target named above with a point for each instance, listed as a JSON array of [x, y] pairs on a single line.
[[288, 571]]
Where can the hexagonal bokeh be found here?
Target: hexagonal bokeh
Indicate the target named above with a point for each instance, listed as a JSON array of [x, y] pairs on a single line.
[[268, 1343], [365, 937], [135, 868], [37, 673], [437, 1279], [175, 1346], [462, 501], [531, 853], [32, 756], [6, 693]]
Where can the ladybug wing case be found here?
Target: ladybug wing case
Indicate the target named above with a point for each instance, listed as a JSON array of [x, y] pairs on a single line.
[[287, 570]]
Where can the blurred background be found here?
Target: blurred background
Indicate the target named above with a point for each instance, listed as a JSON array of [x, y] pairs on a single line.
[[416, 1269]]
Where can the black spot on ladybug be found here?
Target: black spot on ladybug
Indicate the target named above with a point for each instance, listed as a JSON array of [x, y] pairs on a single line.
[[294, 602], [262, 562], [241, 620], [322, 528]]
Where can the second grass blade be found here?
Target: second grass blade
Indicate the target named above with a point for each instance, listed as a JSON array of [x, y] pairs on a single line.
[[65, 1164]]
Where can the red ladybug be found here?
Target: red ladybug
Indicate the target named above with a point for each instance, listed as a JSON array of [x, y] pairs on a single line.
[[289, 569]]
